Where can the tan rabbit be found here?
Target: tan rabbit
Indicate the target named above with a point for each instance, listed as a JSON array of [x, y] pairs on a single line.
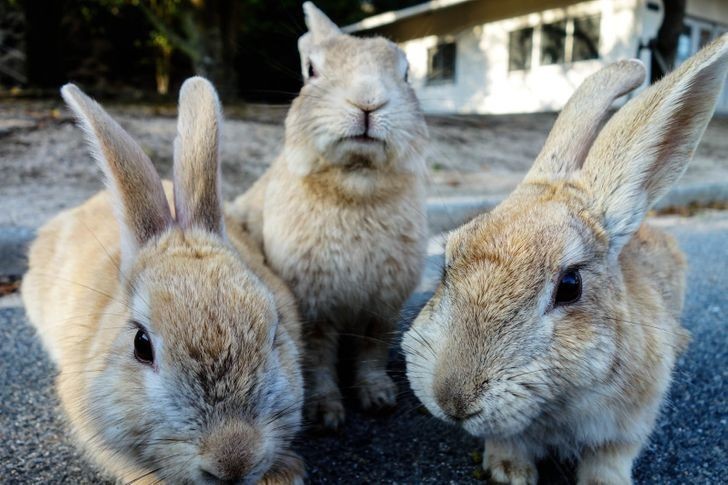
[[556, 327], [340, 213], [177, 349]]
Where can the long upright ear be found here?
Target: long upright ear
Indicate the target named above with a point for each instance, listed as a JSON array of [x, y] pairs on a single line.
[[196, 157], [581, 119], [139, 201], [647, 145], [319, 25]]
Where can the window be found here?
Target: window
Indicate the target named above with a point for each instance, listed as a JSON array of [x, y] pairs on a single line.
[[684, 45], [586, 38], [705, 37], [520, 43], [441, 63], [553, 43], [568, 40]]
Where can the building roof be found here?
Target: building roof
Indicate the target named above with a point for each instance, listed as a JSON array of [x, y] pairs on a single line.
[[393, 16]]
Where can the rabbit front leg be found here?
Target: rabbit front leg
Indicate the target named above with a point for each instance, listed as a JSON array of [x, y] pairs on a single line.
[[608, 464], [288, 470], [323, 403], [376, 389], [509, 464]]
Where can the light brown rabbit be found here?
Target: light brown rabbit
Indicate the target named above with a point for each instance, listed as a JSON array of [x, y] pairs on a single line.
[[556, 327], [177, 349], [340, 213]]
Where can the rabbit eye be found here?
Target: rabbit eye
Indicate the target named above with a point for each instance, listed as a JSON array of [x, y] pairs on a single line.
[[406, 74], [311, 70], [143, 347], [569, 289]]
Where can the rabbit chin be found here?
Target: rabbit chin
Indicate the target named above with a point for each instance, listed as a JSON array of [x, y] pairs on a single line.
[[496, 425]]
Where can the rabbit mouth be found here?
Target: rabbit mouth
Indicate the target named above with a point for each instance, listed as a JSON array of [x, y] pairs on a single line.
[[362, 138]]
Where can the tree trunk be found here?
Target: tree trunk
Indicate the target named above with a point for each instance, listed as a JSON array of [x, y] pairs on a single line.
[[213, 29], [163, 66], [664, 46]]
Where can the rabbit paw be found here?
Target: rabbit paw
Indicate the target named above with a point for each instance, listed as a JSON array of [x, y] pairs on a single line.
[[326, 409], [290, 470], [608, 464], [377, 391], [508, 469]]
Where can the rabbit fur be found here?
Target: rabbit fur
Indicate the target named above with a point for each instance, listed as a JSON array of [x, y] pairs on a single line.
[[221, 399], [495, 352], [340, 213]]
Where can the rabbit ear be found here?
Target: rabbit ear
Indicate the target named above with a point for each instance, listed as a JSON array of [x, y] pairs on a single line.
[[319, 25], [196, 157], [581, 119], [647, 144], [139, 201]]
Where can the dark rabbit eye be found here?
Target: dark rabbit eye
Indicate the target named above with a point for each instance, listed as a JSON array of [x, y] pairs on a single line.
[[406, 74], [143, 347], [311, 70], [569, 289]]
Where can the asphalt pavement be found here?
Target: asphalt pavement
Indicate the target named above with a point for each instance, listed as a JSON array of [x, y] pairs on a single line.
[[408, 446]]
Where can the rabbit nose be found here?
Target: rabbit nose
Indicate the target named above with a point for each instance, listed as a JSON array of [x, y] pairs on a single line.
[[214, 477], [228, 453], [368, 106], [454, 402]]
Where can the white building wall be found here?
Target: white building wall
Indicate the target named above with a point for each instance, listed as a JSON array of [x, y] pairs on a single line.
[[483, 84]]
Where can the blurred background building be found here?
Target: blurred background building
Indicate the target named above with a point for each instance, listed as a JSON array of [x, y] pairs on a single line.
[[494, 56], [466, 56]]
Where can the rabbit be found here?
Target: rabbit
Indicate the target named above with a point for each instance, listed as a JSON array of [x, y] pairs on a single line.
[[556, 325], [340, 213], [177, 349]]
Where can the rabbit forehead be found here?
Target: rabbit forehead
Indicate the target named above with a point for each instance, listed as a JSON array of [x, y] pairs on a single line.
[[345, 53], [204, 304], [525, 240]]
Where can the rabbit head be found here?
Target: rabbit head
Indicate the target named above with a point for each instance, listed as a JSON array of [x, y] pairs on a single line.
[[524, 316], [201, 384], [356, 107]]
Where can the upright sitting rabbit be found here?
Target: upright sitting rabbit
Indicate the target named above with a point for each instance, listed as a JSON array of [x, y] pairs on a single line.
[[177, 349], [556, 325], [340, 213]]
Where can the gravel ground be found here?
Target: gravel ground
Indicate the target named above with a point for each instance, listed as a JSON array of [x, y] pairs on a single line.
[[45, 166], [688, 446]]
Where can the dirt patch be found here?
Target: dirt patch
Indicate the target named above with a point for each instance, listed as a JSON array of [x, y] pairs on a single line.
[[45, 166]]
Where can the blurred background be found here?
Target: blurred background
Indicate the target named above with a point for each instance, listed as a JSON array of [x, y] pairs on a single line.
[[144, 49], [490, 75], [479, 56]]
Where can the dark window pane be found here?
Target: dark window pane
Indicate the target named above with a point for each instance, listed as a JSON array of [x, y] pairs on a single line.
[[520, 43], [553, 41], [705, 37], [586, 38], [441, 62]]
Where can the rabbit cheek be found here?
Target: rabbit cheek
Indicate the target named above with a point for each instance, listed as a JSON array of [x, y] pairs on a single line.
[[420, 344]]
